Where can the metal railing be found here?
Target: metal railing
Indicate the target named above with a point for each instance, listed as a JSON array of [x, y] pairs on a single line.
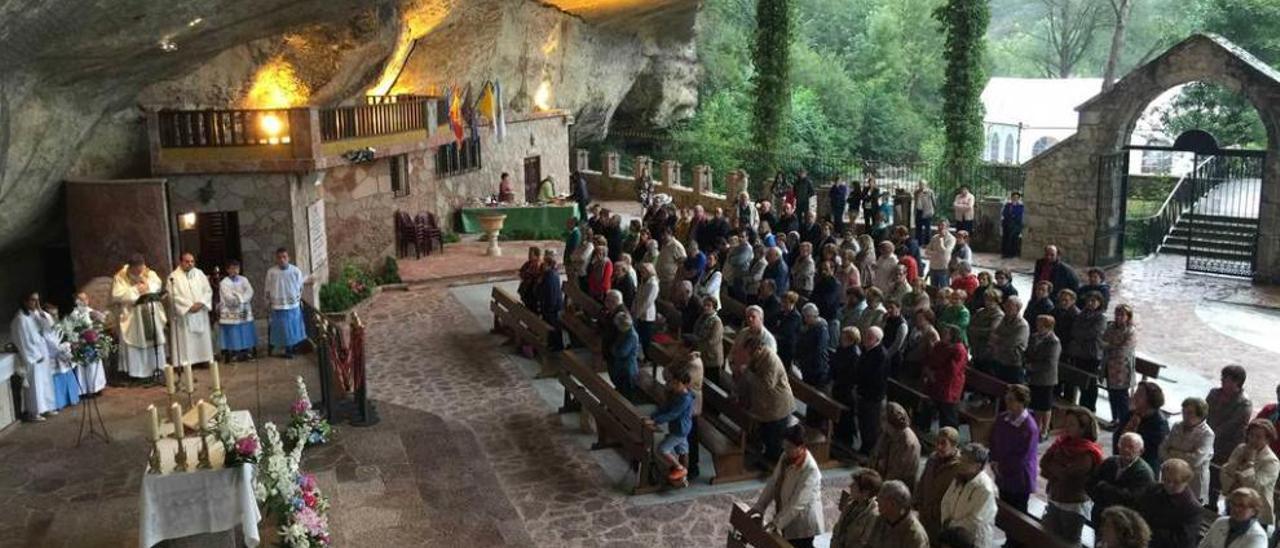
[[1145, 235], [220, 128]]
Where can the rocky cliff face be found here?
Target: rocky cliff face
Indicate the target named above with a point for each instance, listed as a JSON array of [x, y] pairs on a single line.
[[75, 76]]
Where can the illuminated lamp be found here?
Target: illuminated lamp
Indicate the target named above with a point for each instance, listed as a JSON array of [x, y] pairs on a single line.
[[272, 127], [542, 97], [187, 221]]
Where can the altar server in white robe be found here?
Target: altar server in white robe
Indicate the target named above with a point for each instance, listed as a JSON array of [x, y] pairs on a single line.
[[66, 385], [235, 314], [92, 377], [284, 294], [141, 326], [192, 300], [35, 367]]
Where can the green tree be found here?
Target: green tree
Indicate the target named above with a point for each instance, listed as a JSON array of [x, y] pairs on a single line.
[[771, 54], [965, 24]]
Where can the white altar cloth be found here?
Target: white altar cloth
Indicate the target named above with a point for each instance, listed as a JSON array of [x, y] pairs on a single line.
[[180, 504]]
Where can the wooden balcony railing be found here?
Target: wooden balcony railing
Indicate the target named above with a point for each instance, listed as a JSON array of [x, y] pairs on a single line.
[[393, 116], [220, 128]]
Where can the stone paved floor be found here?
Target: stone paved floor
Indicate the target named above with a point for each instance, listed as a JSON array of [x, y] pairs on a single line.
[[467, 259]]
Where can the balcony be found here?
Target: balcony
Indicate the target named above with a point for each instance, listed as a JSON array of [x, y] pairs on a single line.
[[286, 140]]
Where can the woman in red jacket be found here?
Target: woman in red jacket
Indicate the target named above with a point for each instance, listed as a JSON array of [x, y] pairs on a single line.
[[600, 271], [944, 375], [1271, 412]]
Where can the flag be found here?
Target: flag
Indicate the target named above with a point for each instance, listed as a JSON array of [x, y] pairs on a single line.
[[470, 113], [455, 113], [500, 110], [486, 104]]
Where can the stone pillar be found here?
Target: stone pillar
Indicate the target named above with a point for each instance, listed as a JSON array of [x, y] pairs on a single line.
[[583, 158], [735, 183], [701, 179], [670, 173], [642, 163], [611, 164]]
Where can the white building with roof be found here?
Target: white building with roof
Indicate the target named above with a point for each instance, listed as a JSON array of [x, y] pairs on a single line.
[[1026, 116]]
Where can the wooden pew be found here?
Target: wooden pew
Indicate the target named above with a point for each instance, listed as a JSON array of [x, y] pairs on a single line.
[[746, 531], [669, 311], [981, 418], [725, 440], [618, 423], [1148, 367], [577, 299], [523, 327], [732, 311], [819, 440], [1026, 529]]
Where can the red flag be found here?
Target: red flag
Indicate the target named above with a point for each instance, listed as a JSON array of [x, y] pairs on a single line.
[[455, 113]]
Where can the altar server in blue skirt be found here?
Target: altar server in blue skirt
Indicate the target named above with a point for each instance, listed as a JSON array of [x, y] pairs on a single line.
[[284, 294], [235, 314]]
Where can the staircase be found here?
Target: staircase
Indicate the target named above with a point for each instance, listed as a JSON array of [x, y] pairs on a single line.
[[1212, 236]]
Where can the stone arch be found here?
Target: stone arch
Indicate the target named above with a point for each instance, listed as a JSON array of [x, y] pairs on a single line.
[[1062, 183]]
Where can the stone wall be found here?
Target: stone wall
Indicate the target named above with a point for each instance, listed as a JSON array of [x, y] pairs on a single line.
[[1062, 183], [611, 185]]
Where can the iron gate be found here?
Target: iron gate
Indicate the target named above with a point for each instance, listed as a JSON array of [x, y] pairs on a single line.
[[1223, 222], [1113, 183]]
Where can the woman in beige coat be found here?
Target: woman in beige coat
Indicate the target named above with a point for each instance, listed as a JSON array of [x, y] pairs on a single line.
[[897, 453], [1254, 465], [1192, 440]]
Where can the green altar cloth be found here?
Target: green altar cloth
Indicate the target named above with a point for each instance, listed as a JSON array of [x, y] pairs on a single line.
[[522, 219]]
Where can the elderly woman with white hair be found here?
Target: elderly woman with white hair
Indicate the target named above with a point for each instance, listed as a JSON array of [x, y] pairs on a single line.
[[624, 363], [1253, 465], [745, 210]]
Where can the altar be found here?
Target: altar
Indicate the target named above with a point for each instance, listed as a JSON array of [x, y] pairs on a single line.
[[180, 504], [522, 219]]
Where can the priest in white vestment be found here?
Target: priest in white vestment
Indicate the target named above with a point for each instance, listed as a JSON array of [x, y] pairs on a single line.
[[35, 367], [235, 314], [192, 299], [284, 294], [92, 377], [142, 327]]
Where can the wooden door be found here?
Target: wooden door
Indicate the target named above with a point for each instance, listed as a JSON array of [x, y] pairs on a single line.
[[532, 176], [219, 241]]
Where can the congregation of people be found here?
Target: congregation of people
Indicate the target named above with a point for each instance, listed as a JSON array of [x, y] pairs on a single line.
[[145, 313], [850, 301]]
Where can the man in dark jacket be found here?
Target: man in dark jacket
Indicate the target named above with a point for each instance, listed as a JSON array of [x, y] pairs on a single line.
[[1170, 509], [871, 379], [787, 328], [1051, 268], [1121, 479], [804, 192], [551, 300], [578, 192], [839, 197]]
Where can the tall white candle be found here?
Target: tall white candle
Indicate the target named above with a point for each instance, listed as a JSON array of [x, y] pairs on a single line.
[[153, 423], [169, 382], [217, 376], [203, 411], [189, 382], [175, 415]]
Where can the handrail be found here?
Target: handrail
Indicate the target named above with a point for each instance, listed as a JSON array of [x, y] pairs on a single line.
[[369, 120], [1176, 187], [1154, 228]]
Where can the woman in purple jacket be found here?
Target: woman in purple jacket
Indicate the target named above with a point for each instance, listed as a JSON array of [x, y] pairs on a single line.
[[1014, 440]]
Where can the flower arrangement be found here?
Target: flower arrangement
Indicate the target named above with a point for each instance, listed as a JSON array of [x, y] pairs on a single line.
[[240, 444], [293, 496], [86, 336], [306, 426]]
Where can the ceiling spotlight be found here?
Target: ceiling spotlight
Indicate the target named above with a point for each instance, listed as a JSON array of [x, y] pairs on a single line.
[[167, 45], [195, 21]]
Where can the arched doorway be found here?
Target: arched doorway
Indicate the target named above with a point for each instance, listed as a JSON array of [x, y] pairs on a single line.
[[1074, 193]]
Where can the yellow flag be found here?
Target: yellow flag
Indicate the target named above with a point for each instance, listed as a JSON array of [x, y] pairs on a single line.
[[486, 104]]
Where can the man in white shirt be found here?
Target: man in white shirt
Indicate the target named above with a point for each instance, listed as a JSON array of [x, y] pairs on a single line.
[[970, 501], [141, 326], [192, 300], [938, 253], [644, 307], [284, 295]]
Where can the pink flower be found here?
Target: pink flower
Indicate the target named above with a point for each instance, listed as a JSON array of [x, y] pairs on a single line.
[[311, 521], [301, 406], [247, 446], [90, 336], [307, 482]]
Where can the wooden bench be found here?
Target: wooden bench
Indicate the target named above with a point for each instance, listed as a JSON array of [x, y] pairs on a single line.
[[1025, 529], [818, 440], [1148, 368], [576, 299], [732, 311], [618, 423], [725, 440], [981, 418], [669, 311], [747, 531], [522, 326]]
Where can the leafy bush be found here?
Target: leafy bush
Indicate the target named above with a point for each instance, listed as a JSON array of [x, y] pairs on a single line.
[[390, 272], [353, 285], [451, 238]]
